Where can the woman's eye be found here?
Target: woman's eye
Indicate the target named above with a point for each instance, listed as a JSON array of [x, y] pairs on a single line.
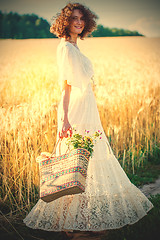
[[75, 18]]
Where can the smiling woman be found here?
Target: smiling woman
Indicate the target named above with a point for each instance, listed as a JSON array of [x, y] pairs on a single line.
[[110, 200]]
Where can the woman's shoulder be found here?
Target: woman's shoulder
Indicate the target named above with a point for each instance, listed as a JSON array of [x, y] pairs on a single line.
[[65, 51], [64, 46], [64, 43]]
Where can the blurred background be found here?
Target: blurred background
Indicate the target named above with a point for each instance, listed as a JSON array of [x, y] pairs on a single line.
[[31, 18]]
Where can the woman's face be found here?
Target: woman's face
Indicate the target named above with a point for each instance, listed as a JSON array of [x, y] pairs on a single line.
[[77, 23]]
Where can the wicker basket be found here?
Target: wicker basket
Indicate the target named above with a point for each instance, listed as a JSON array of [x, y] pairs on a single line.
[[63, 175]]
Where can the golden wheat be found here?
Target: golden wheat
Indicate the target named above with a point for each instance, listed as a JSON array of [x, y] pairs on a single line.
[[127, 78]]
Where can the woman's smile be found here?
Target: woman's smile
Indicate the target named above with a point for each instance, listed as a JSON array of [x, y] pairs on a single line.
[[78, 27]]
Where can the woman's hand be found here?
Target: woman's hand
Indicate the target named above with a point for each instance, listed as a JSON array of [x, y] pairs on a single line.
[[65, 128]]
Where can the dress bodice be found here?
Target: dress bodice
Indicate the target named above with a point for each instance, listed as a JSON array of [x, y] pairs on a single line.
[[73, 66]]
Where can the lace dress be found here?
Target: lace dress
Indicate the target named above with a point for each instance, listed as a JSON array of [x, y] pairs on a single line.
[[110, 200]]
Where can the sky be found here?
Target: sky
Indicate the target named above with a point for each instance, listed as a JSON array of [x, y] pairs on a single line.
[[140, 15]]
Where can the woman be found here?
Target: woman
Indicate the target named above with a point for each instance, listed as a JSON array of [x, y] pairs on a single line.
[[110, 200]]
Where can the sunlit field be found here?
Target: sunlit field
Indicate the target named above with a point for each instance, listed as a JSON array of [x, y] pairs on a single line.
[[127, 91]]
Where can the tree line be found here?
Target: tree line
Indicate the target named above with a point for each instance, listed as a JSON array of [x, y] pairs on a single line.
[[16, 26], [113, 32]]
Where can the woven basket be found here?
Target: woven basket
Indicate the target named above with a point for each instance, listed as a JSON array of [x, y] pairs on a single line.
[[63, 175]]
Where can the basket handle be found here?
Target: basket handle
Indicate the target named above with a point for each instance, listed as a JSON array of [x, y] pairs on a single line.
[[59, 140], [54, 150]]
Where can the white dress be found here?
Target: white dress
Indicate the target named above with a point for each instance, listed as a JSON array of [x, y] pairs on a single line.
[[110, 200]]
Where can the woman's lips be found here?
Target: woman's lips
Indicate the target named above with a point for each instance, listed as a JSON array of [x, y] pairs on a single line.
[[78, 27]]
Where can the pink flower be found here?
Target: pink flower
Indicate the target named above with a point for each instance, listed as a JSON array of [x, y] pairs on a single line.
[[100, 138]]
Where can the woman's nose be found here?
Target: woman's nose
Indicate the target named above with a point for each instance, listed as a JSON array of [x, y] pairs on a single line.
[[79, 21]]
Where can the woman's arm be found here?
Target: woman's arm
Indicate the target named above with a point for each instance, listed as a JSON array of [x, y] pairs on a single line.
[[66, 98]]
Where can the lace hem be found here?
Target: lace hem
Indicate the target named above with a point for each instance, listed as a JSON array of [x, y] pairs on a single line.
[[90, 213]]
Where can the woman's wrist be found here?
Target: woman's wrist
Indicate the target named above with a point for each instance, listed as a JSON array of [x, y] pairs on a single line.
[[64, 119]]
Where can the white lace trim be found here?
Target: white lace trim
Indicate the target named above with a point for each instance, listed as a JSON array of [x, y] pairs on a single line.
[[89, 213]]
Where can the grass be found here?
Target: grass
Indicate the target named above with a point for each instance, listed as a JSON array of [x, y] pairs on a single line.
[[127, 90], [147, 174]]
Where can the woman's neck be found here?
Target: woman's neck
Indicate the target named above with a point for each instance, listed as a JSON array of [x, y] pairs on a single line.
[[73, 38], [72, 41]]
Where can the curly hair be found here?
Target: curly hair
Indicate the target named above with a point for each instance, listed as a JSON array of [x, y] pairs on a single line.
[[60, 26]]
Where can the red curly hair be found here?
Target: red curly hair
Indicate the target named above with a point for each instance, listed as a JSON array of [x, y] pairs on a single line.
[[60, 26]]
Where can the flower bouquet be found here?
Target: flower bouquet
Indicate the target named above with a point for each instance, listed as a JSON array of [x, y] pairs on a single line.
[[86, 142]]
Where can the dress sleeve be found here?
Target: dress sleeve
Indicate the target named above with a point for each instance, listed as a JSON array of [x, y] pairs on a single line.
[[71, 67]]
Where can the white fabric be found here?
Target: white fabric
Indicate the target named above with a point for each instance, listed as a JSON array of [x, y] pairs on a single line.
[[73, 66], [110, 200]]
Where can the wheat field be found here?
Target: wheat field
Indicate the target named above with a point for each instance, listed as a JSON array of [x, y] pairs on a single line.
[[127, 90]]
